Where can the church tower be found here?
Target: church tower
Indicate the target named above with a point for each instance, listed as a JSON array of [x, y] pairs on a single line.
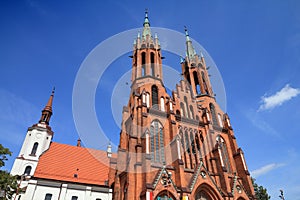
[[36, 142], [180, 146]]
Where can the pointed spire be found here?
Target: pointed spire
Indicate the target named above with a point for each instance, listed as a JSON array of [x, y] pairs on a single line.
[[146, 21], [190, 51], [146, 30], [48, 106], [186, 34], [47, 111]]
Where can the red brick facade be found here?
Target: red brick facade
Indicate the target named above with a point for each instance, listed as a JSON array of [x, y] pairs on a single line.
[[180, 146]]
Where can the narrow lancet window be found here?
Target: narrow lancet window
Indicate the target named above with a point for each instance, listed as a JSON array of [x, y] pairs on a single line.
[[143, 64], [213, 114], [154, 97], [152, 64], [34, 148]]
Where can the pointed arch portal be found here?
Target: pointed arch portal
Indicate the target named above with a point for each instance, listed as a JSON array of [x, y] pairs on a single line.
[[206, 192], [165, 195]]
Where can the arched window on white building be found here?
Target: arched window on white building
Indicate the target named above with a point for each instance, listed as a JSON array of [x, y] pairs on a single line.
[[27, 170], [48, 196], [34, 149]]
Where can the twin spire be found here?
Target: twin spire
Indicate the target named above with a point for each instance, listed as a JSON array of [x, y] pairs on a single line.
[[190, 51]]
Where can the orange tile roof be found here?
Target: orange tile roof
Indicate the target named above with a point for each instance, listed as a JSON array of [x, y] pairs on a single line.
[[61, 162]]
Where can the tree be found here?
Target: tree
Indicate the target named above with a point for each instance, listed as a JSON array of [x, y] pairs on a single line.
[[3, 155], [8, 183], [260, 192]]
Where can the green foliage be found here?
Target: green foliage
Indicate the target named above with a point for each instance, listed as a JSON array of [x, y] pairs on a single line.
[[260, 192], [3, 155], [8, 183]]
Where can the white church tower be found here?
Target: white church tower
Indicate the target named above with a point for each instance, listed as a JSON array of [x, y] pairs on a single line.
[[37, 141]]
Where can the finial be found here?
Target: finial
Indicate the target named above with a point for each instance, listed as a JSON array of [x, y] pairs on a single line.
[[139, 34], [146, 24], [155, 36], [146, 21], [186, 34], [53, 91], [186, 31]]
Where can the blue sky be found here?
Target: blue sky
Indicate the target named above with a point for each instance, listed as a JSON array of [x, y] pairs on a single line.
[[255, 44]]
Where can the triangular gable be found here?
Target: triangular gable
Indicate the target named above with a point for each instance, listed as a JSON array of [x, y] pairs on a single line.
[[163, 175], [201, 170]]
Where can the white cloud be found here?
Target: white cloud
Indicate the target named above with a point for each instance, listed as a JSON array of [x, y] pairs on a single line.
[[285, 94], [265, 169]]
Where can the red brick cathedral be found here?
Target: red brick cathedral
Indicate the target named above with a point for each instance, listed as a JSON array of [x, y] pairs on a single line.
[[180, 146]]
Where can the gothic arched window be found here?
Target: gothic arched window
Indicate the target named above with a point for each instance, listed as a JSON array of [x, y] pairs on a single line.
[[154, 97], [223, 153], [162, 104], [192, 142], [164, 195], [143, 64], [182, 140], [220, 120], [182, 109], [202, 196], [191, 112], [152, 64], [34, 148], [157, 142], [27, 170], [197, 139], [187, 141], [152, 142], [213, 114], [197, 85]]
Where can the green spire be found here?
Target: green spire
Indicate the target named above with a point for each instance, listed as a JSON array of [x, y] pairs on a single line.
[[146, 30], [146, 21], [190, 51]]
